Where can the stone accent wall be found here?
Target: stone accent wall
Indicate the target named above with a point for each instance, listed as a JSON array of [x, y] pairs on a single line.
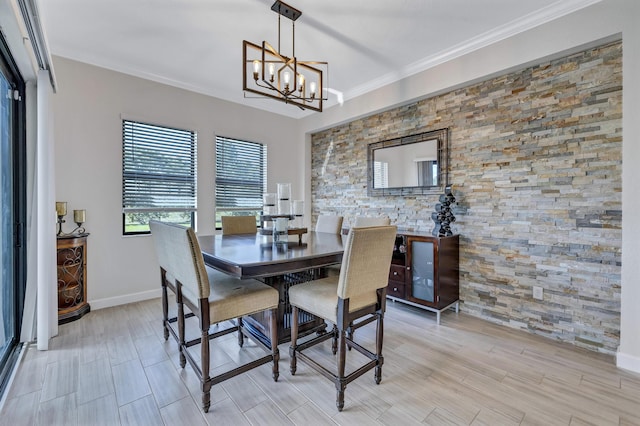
[[536, 165]]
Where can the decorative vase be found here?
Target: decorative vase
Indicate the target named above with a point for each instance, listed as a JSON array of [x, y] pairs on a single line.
[[443, 216]]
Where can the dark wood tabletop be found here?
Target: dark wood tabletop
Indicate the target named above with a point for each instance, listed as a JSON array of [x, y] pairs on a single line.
[[254, 256]]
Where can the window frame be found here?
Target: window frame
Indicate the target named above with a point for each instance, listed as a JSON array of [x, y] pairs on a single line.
[[225, 181], [177, 143], [13, 298]]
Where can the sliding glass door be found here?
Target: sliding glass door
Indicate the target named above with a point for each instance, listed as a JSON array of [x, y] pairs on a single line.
[[12, 198]]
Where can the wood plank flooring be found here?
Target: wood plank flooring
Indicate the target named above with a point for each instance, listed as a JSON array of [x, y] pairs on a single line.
[[113, 367]]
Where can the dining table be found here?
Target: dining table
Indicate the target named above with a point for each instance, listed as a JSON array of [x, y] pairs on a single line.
[[255, 256]]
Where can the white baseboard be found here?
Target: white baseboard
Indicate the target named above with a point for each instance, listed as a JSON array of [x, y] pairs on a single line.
[[123, 300], [628, 362]]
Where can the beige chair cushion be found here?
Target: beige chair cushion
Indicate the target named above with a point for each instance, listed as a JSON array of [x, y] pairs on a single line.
[[238, 225], [231, 297], [362, 221], [329, 224], [365, 268], [320, 298]]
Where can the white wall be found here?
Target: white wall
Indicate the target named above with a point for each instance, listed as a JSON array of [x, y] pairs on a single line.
[[89, 107], [590, 26]]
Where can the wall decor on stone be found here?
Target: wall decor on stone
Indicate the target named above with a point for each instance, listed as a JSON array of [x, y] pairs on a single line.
[[443, 217], [536, 164]]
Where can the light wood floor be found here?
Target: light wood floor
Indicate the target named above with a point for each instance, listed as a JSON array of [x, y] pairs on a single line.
[[113, 367]]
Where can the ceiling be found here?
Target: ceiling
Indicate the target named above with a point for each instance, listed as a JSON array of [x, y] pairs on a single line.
[[197, 44]]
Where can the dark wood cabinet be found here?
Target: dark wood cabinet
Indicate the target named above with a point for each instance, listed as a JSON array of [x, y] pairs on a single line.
[[72, 278], [425, 272]]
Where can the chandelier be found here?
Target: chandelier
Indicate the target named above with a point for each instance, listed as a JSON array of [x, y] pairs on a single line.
[[268, 73]]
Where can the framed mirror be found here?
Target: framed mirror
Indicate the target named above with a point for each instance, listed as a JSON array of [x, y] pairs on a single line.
[[411, 165]]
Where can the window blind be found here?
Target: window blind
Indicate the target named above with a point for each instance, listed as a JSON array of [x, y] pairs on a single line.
[[241, 174], [158, 168]]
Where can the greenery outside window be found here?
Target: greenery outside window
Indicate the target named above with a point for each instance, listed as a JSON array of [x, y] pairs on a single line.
[[158, 176], [241, 178]]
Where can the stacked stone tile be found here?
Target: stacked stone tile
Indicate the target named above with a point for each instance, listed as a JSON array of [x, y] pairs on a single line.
[[536, 163]]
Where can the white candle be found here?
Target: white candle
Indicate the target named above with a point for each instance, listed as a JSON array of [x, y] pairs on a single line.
[[284, 191], [284, 207], [281, 224], [269, 199]]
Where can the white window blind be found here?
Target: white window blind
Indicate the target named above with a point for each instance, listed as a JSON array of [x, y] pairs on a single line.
[[158, 171], [241, 175]]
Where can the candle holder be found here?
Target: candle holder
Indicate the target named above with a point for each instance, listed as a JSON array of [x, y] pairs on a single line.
[[61, 211], [79, 217]]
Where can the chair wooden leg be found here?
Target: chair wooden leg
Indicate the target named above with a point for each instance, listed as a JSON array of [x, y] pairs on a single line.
[[165, 306], [273, 322], [334, 340], [340, 380], [181, 332], [205, 382], [379, 358], [350, 332], [294, 340], [240, 335]]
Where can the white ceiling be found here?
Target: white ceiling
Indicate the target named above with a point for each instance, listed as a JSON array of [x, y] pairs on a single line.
[[197, 44]]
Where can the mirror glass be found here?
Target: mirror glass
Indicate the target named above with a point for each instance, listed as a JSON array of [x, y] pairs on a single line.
[[406, 165], [411, 165]]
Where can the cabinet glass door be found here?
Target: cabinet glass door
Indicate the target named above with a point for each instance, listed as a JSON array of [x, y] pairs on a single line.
[[422, 270]]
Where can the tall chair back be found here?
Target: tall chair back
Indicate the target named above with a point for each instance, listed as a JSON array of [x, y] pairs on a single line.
[[179, 254], [366, 260], [362, 221], [238, 225], [330, 224]]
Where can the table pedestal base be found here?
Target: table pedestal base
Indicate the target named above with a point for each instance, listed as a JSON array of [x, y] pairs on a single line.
[[258, 324]]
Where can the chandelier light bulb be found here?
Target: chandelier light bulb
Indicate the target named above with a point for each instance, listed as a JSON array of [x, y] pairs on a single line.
[[256, 69], [300, 82], [287, 77], [272, 71], [312, 88]]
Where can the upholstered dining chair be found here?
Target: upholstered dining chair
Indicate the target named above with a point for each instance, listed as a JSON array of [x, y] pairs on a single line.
[[332, 225], [362, 221], [329, 223], [358, 294], [238, 225], [213, 297]]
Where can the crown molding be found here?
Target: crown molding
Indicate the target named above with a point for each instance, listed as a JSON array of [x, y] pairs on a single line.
[[552, 12]]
